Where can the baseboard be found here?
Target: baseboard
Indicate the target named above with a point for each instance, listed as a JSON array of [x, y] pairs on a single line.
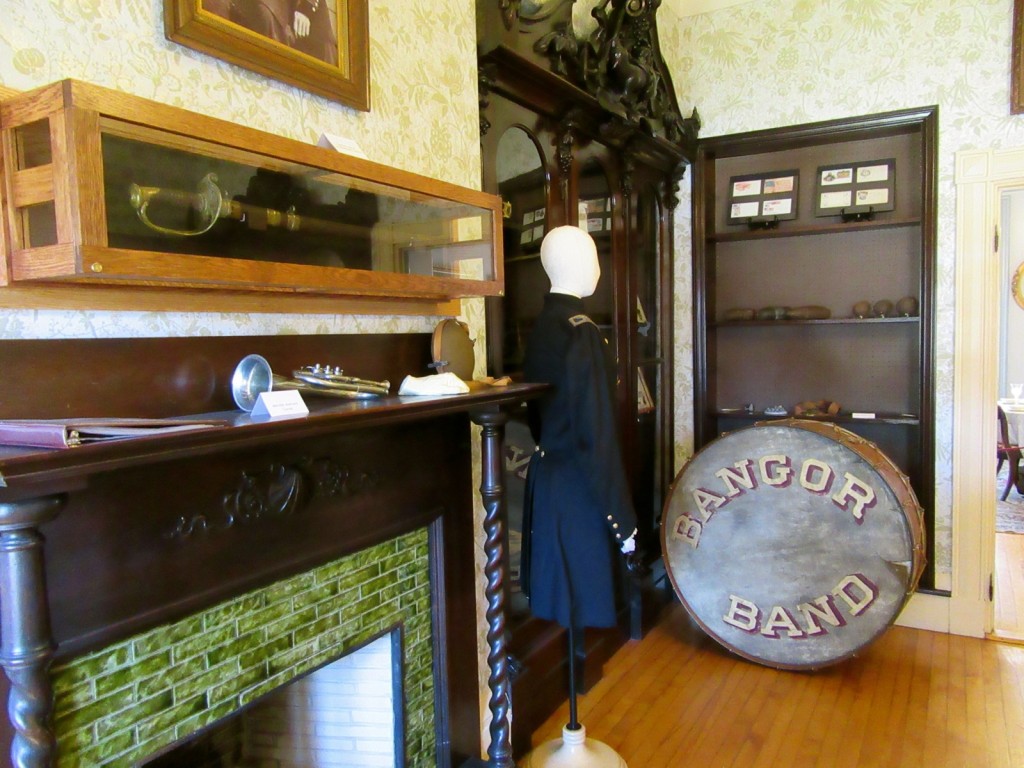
[[924, 611], [950, 615]]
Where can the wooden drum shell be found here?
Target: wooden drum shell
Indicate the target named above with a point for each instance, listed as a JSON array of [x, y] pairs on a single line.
[[794, 543]]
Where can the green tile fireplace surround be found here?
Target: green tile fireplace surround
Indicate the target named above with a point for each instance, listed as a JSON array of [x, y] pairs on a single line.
[[137, 696]]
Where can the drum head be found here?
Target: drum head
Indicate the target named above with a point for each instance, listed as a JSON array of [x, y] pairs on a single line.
[[793, 543]]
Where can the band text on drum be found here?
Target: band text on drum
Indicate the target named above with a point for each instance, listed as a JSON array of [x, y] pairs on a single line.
[[855, 591]]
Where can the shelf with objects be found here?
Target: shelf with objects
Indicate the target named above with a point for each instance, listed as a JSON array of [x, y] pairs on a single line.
[[826, 313], [566, 145], [106, 189]]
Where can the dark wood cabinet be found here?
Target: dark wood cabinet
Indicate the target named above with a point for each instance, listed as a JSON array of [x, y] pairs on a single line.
[[564, 142], [876, 361]]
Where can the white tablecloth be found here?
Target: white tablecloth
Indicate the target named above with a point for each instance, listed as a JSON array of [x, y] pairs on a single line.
[[1014, 411]]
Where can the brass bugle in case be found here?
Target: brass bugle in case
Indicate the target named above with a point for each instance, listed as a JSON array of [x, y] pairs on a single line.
[[212, 204], [209, 202]]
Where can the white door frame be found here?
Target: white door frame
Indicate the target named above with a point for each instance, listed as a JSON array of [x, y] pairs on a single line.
[[981, 178]]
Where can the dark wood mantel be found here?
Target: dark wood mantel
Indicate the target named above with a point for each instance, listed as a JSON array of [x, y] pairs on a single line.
[[103, 541]]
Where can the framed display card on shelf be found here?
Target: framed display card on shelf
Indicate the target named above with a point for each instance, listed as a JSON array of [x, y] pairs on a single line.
[[595, 215], [763, 197], [533, 227], [856, 188]]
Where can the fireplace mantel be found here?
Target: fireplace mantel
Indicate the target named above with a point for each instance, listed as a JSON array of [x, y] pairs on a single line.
[[101, 542]]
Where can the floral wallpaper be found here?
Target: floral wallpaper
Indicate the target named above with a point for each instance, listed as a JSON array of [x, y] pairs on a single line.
[[423, 118], [750, 66], [765, 64]]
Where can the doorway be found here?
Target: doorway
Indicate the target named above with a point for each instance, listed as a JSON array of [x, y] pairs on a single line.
[[1008, 575]]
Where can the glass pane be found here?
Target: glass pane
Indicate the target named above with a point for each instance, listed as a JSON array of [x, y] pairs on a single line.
[[206, 200], [645, 250], [595, 216], [39, 224], [32, 143], [650, 368], [522, 185]]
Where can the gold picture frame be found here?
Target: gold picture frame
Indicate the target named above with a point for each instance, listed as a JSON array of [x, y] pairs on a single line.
[[1017, 285], [321, 46]]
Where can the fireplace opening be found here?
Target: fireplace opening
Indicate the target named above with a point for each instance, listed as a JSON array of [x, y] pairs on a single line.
[[344, 714]]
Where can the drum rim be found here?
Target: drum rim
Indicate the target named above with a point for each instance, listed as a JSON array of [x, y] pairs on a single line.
[[896, 481]]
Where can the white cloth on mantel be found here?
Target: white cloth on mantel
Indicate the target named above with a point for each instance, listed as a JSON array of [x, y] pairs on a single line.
[[435, 384]]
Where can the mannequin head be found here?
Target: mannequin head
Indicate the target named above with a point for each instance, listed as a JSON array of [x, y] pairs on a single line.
[[569, 256]]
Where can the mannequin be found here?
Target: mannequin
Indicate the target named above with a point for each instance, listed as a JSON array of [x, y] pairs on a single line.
[[578, 514], [577, 498]]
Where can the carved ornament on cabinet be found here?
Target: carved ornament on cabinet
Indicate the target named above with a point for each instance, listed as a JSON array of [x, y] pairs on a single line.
[[628, 167], [672, 188], [509, 12], [565, 140], [620, 64], [485, 82]]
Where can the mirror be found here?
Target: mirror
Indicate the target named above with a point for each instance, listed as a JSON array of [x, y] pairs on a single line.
[[522, 184]]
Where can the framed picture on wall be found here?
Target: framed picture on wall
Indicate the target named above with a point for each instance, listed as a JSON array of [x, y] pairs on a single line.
[[321, 46]]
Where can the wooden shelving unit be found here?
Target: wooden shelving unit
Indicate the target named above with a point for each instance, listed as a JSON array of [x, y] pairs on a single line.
[[879, 365]]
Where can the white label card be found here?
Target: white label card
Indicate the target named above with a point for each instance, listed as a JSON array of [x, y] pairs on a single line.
[[837, 176], [284, 402], [873, 173], [743, 188], [836, 199], [739, 210], [872, 196], [777, 207]]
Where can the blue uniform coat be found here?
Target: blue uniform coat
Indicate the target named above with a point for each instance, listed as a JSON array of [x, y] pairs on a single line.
[[577, 506]]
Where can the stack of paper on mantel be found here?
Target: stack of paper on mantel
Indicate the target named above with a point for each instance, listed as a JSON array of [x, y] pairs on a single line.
[[68, 433]]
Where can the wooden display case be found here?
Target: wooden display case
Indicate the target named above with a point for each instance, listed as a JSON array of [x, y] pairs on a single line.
[[592, 151], [106, 188], [877, 365]]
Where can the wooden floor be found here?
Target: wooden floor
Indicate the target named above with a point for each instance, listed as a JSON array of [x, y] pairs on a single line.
[[1009, 616], [911, 699]]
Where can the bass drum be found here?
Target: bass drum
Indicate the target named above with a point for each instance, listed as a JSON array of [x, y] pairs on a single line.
[[793, 543]]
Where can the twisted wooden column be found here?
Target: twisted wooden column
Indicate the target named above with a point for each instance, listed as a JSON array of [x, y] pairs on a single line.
[[26, 645], [492, 491]]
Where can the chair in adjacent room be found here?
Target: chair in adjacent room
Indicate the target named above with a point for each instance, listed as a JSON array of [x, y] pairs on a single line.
[[1008, 452]]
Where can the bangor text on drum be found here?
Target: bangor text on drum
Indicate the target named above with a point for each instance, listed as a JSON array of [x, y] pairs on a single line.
[[774, 471]]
